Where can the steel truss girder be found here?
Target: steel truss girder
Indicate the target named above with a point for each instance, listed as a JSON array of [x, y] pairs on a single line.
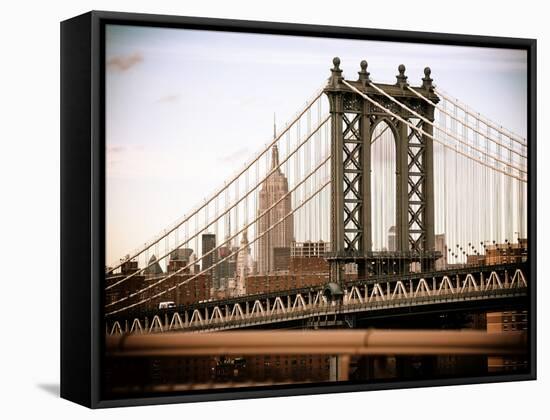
[[488, 282], [416, 192], [352, 179]]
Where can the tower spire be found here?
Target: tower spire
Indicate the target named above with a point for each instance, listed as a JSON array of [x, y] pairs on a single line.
[[274, 149]]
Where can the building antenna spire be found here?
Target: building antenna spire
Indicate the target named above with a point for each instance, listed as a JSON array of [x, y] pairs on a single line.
[[274, 149]]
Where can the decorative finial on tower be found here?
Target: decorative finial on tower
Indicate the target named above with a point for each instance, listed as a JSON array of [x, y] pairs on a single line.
[[401, 78], [427, 80], [364, 74], [336, 76], [274, 127]]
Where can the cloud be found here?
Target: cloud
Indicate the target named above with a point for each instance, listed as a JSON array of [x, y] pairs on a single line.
[[124, 62], [168, 99], [237, 156]]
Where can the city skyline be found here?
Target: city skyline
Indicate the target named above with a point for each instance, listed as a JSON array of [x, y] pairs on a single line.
[[144, 174], [384, 204]]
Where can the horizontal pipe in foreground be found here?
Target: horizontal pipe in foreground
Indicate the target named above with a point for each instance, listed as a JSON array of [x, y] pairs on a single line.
[[342, 342]]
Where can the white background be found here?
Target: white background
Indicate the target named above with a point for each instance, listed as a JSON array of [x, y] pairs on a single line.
[[29, 174]]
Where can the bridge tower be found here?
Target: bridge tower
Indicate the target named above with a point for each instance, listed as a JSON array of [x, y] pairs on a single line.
[[353, 122]]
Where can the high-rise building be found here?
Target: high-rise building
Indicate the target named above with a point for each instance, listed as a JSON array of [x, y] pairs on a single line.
[[179, 260], [153, 267], [209, 258], [507, 322], [225, 270], [129, 267], [195, 266], [244, 265], [282, 235], [506, 253], [281, 258], [309, 249], [441, 246]]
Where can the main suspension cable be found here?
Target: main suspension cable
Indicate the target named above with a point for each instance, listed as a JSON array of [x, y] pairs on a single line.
[[465, 123], [224, 259], [455, 149], [218, 217], [226, 185], [227, 240], [506, 163]]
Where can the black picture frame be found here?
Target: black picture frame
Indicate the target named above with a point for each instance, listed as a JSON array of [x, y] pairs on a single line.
[[83, 197]]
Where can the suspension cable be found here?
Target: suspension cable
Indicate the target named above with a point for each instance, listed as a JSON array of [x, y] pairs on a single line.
[[305, 201], [465, 123], [515, 137], [227, 240], [250, 191], [455, 149], [444, 130], [186, 218]]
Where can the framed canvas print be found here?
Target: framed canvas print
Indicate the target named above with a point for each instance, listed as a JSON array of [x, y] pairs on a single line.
[[256, 209]]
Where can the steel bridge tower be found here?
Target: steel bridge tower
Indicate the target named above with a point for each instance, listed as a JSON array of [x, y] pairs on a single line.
[[353, 122]]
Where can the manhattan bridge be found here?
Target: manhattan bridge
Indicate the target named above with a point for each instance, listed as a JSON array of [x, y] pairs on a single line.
[[375, 200]]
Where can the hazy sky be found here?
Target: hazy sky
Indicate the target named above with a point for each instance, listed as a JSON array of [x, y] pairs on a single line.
[[184, 108]]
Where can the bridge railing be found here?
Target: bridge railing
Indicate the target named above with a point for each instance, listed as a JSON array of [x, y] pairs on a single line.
[[341, 344]]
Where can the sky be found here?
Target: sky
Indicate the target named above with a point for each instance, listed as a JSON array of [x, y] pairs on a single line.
[[185, 108]]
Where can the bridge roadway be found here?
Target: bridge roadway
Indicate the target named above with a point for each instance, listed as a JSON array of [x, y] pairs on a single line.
[[470, 287]]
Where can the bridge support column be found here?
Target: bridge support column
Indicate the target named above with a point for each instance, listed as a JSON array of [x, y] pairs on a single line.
[[402, 190], [366, 164], [337, 172], [355, 108], [429, 218]]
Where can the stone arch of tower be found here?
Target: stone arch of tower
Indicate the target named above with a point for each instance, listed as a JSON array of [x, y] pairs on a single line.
[[383, 183]]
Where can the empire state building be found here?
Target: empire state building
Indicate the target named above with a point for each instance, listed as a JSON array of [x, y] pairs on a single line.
[[281, 236]]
